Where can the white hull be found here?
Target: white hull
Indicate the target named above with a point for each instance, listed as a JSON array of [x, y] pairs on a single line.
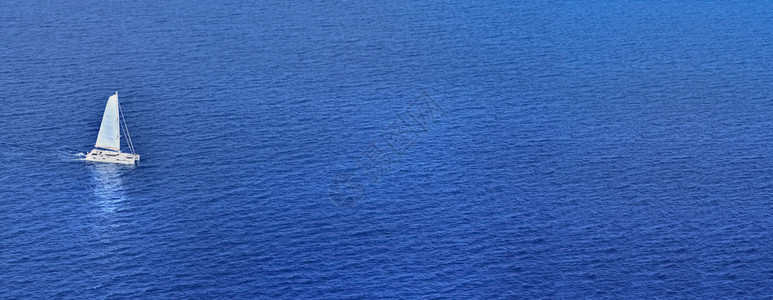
[[112, 157]]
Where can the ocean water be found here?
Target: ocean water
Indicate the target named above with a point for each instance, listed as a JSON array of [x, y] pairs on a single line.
[[361, 150]]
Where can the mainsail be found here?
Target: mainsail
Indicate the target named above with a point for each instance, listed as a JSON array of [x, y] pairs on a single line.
[[110, 131]]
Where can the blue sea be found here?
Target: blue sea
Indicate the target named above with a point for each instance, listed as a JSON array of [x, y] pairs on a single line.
[[393, 149]]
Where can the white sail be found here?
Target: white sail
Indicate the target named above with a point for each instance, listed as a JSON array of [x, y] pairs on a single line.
[[110, 131]]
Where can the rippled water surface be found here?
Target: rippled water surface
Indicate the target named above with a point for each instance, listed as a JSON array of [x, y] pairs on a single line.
[[562, 150]]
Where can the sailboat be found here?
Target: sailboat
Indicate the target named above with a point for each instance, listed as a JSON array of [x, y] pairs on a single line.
[[108, 146]]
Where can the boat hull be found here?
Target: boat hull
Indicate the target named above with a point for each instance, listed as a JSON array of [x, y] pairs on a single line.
[[112, 157]]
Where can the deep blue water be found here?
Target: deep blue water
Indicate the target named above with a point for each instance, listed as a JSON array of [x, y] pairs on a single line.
[[570, 150]]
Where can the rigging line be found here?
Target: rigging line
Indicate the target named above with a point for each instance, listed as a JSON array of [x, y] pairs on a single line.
[[126, 128], [128, 137], [123, 131]]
